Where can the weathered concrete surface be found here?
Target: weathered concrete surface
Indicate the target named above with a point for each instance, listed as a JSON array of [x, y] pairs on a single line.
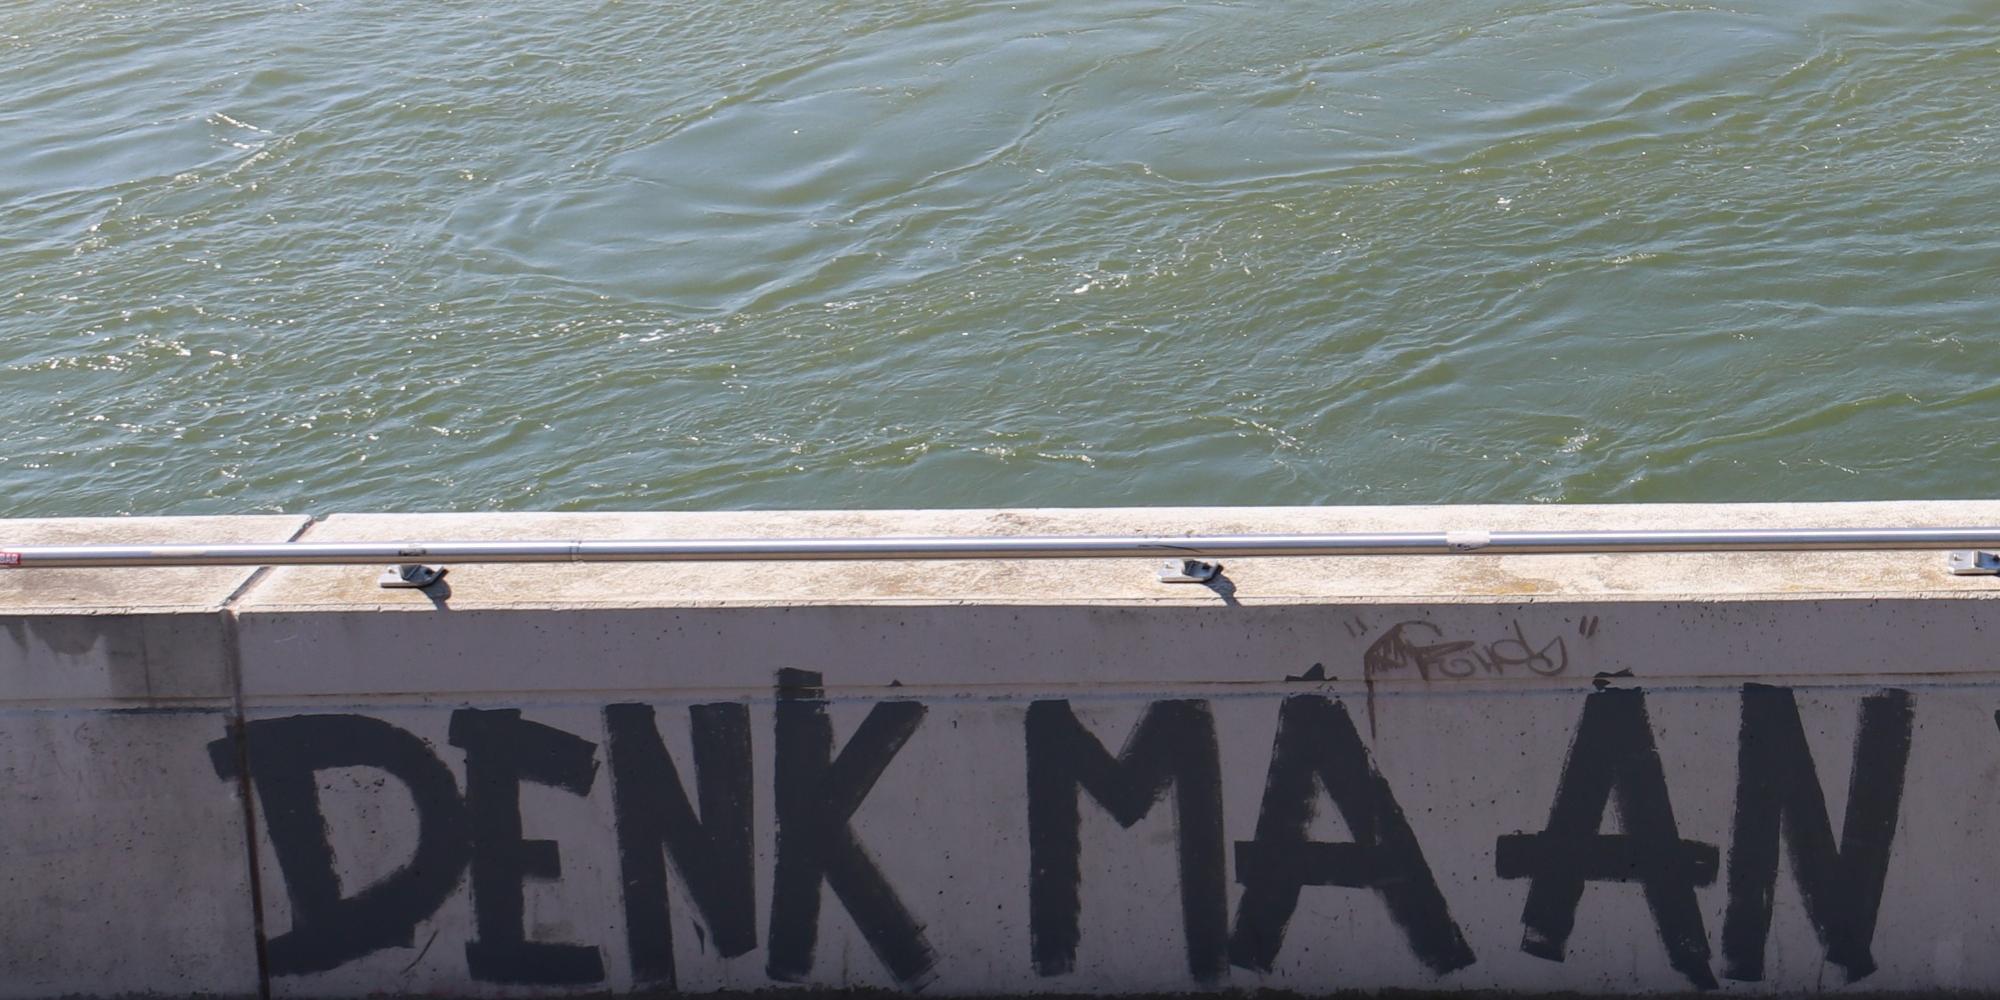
[[1041, 582], [122, 859], [90, 591], [75, 637], [1625, 774], [1095, 621]]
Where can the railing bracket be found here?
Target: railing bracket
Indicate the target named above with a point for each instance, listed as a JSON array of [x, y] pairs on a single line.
[[1188, 571], [414, 576], [1972, 562]]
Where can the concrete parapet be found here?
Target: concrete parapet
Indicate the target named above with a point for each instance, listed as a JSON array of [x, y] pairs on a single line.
[[1617, 773], [122, 859]]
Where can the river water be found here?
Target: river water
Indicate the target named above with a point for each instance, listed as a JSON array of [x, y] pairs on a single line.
[[467, 255]]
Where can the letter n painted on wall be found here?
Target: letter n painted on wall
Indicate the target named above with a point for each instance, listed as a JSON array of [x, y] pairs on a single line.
[[1778, 789]]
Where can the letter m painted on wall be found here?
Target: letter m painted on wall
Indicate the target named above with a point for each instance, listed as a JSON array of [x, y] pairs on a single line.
[[1173, 746]]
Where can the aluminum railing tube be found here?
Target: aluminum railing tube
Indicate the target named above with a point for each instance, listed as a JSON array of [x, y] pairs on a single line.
[[970, 547]]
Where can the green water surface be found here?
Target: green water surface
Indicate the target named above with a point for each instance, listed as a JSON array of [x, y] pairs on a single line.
[[343, 255]]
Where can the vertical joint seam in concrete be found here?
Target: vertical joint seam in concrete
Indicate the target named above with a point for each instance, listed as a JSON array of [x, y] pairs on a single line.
[[232, 650]]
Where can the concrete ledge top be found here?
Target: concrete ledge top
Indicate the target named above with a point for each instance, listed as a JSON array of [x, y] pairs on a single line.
[[115, 590], [1122, 582]]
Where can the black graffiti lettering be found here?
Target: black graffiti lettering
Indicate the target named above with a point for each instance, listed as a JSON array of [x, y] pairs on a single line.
[[1613, 753], [816, 796], [1777, 787], [327, 930], [1174, 744], [714, 854], [501, 751], [1317, 746]]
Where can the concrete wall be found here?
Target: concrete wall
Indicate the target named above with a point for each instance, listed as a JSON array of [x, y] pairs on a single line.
[[1629, 774]]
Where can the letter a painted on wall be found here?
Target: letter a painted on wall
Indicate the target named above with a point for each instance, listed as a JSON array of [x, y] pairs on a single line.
[[1174, 744], [1777, 787], [1317, 746], [1613, 755], [328, 930], [816, 796]]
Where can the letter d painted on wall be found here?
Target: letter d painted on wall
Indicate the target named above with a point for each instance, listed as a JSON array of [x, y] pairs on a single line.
[[285, 756]]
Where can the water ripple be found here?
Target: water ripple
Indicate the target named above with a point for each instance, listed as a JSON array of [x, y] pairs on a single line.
[[892, 252]]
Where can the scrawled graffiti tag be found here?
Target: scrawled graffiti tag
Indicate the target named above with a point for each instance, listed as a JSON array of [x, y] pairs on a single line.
[[1422, 647]]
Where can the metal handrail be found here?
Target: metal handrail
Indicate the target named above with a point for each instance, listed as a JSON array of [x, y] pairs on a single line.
[[1000, 547]]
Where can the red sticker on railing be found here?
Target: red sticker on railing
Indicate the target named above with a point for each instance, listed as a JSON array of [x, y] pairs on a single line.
[[10, 559]]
